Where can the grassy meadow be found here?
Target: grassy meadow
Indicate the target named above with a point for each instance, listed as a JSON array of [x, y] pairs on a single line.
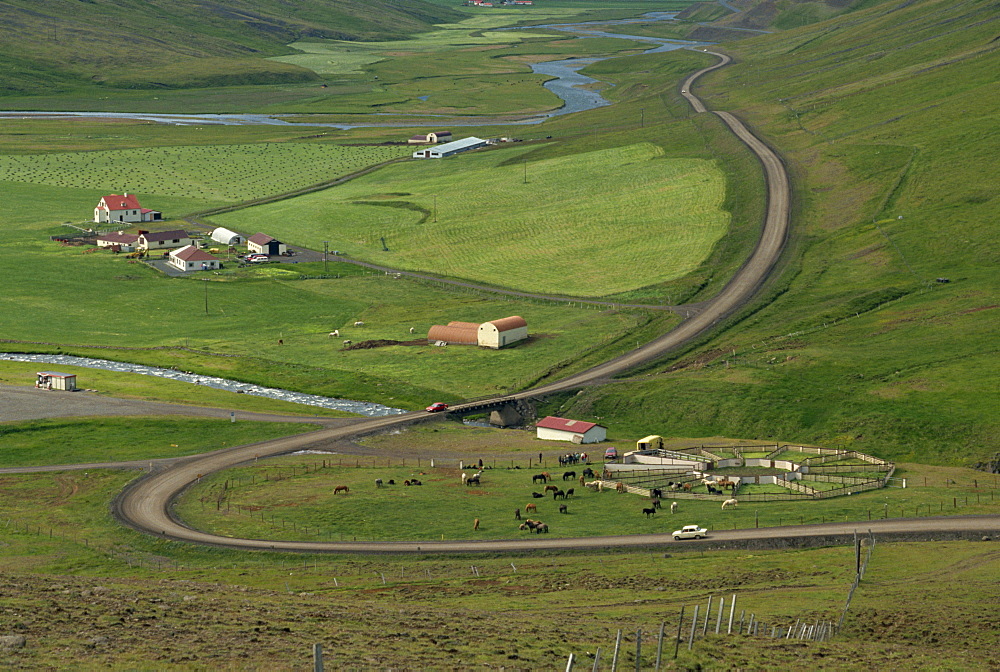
[[568, 224]]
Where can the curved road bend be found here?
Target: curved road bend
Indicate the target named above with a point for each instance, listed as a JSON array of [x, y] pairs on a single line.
[[145, 504]]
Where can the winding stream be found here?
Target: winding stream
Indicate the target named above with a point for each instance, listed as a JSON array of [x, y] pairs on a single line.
[[566, 84]]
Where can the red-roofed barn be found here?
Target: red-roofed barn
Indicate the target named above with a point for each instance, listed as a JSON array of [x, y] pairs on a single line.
[[564, 429], [498, 333]]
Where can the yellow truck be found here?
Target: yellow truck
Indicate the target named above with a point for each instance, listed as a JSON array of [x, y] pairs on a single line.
[[651, 442]]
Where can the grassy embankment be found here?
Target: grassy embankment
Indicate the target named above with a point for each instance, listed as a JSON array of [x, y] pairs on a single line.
[[891, 143]]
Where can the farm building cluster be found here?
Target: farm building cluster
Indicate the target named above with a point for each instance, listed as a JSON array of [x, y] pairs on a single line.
[[494, 334]]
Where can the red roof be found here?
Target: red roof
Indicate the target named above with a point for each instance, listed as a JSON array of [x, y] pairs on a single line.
[[508, 323], [121, 202], [260, 239], [566, 425], [192, 253]]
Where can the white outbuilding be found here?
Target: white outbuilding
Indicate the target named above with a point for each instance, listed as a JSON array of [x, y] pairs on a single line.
[[226, 237], [190, 258], [498, 333], [564, 429], [449, 148]]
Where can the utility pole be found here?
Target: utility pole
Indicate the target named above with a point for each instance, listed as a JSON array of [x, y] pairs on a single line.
[[435, 207], [326, 256], [206, 295]]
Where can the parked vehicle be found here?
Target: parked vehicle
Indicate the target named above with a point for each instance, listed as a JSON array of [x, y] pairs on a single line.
[[610, 454], [690, 532], [437, 407]]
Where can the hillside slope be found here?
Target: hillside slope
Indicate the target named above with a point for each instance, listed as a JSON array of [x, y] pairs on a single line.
[[62, 43], [882, 332]]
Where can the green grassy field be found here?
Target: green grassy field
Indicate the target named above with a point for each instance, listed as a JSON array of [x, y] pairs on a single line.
[[78, 441], [568, 228]]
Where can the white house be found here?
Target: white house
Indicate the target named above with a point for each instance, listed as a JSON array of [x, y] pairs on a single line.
[[563, 429], [118, 240], [163, 240], [265, 244], [123, 208], [226, 237], [190, 258], [498, 333]]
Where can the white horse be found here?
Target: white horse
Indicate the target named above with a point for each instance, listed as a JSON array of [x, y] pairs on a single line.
[[673, 507], [412, 330], [359, 323], [348, 342], [464, 476], [335, 333], [729, 502]]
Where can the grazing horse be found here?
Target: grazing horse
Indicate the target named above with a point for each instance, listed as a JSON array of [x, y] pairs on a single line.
[[475, 525], [569, 493], [347, 342], [726, 483], [392, 482], [582, 480], [588, 473], [517, 514], [649, 512], [538, 477], [531, 507], [730, 502], [472, 481], [551, 488], [620, 487], [655, 502], [568, 475], [406, 482], [414, 481], [563, 508], [541, 527], [378, 482], [537, 495], [686, 487], [547, 475], [673, 507], [558, 493], [341, 488], [656, 493]]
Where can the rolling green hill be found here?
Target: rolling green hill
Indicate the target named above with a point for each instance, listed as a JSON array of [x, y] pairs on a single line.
[[66, 44], [881, 332]]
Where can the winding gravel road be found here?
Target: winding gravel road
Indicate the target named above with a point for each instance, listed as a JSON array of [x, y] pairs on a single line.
[[145, 505]]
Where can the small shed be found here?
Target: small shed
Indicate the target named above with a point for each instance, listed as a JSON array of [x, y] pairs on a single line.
[[262, 243], [226, 237], [502, 332], [459, 333], [53, 380], [553, 428]]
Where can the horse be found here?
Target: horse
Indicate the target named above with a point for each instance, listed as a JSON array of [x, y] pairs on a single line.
[[392, 482], [655, 502], [569, 493], [378, 482], [729, 502], [414, 481], [620, 487], [347, 342], [537, 495], [588, 473], [568, 475], [582, 480], [475, 525], [713, 491], [342, 488], [473, 480], [538, 477], [563, 508], [335, 333], [673, 507], [726, 483], [649, 512], [686, 487], [550, 488], [406, 483], [656, 493], [530, 507], [359, 323], [541, 527], [547, 475], [517, 514], [558, 493], [464, 477], [412, 330]]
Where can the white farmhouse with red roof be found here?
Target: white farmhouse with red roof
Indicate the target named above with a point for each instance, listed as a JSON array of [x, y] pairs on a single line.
[[190, 258], [123, 208], [564, 429]]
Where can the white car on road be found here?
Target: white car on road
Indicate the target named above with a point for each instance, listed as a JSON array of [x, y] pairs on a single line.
[[690, 532]]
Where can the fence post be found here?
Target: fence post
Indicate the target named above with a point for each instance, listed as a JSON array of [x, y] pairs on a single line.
[[569, 663], [659, 646], [708, 610], [732, 612], [694, 625], [638, 648], [317, 658], [680, 624], [614, 658], [718, 620]]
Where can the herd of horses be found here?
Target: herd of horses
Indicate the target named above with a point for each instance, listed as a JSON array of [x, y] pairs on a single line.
[[715, 487]]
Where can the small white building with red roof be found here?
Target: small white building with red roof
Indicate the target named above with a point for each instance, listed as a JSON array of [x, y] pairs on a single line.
[[564, 429], [498, 333], [123, 208], [190, 258], [119, 241], [262, 243]]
